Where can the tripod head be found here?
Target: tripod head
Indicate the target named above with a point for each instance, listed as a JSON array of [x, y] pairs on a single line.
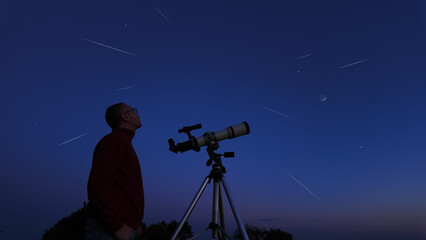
[[216, 157]]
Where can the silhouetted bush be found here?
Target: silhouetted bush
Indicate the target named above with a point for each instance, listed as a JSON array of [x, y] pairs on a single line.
[[278, 234], [72, 228], [164, 231], [255, 233]]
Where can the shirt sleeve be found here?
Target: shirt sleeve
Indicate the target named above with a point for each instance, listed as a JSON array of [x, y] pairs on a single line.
[[106, 162]]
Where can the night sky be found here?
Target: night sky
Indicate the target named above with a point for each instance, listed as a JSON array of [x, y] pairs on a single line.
[[333, 91]]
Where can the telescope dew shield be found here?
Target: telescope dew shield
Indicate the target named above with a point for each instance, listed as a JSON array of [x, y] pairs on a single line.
[[227, 133]]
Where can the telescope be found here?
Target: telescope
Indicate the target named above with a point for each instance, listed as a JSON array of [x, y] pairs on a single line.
[[195, 143], [211, 139]]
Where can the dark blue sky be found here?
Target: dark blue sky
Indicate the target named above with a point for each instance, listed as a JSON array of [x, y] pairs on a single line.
[[360, 150]]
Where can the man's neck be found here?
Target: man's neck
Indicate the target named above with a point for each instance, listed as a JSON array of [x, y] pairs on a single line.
[[126, 126]]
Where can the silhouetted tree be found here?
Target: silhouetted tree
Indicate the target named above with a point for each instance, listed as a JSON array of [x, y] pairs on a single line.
[[72, 228], [278, 234], [164, 231], [185, 233], [255, 233]]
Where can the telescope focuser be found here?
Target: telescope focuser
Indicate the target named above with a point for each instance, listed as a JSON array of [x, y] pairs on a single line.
[[188, 145]]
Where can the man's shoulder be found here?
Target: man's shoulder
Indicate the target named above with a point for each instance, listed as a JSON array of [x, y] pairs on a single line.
[[113, 136]]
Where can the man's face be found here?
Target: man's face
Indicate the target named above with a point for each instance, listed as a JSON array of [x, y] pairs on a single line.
[[130, 116]]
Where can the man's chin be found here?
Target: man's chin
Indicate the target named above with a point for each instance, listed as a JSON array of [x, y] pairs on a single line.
[[139, 125]]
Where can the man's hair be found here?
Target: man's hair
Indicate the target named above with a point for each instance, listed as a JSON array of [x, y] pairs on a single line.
[[113, 115]]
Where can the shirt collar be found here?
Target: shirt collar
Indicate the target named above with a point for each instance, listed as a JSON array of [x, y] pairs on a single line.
[[129, 133]]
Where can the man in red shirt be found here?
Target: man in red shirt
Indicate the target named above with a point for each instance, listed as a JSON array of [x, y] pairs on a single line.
[[115, 188]]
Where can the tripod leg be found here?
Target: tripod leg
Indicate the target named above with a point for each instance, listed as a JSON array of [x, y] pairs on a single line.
[[234, 210], [215, 211], [222, 217], [191, 206], [224, 234], [199, 234]]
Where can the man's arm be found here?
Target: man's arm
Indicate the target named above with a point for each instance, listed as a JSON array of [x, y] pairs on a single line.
[[102, 186], [124, 232]]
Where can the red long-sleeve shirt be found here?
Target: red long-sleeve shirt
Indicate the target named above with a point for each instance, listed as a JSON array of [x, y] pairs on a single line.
[[115, 187]]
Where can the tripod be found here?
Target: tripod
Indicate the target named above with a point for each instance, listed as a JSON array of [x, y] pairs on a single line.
[[217, 172]]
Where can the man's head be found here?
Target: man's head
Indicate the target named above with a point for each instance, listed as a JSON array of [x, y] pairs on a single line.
[[121, 115]]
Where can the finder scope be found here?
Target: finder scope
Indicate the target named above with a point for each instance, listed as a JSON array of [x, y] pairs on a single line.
[[207, 138]]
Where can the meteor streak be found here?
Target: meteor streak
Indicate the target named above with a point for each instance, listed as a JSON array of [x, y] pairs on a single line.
[[164, 16], [353, 64], [116, 49], [72, 139], [301, 184], [121, 89], [305, 56], [275, 111]]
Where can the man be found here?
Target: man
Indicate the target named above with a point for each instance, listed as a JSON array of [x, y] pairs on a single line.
[[115, 188]]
